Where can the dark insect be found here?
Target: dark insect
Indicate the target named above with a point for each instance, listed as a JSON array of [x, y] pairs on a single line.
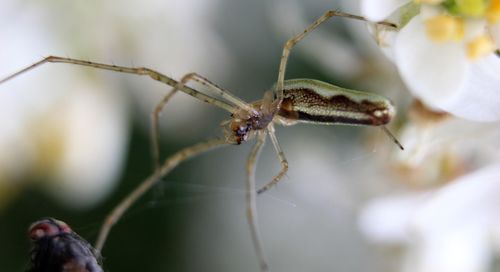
[[56, 248]]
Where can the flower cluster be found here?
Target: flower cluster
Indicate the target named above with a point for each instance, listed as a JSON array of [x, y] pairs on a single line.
[[445, 51]]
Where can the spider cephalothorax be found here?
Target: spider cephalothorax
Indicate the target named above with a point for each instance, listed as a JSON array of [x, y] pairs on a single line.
[[244, 122], [243, 125]]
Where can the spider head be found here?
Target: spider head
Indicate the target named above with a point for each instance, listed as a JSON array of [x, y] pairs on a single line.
[[240, 128], [243, 123]]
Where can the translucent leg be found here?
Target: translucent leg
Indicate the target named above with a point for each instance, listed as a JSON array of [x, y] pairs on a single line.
[[281, 157], [155, 127], [251, 201], [129, 70], [155, 115], [212, 87], [140, 190], [294, 40]]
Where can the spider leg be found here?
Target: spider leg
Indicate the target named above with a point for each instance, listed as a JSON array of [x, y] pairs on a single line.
[[155, 126], [282, 159], [214, 88], [169, 164], [155, 115], [294, 40], [129, 70], [251, 200]]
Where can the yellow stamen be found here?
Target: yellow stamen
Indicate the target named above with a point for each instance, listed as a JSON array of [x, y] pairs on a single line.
[[472, 8], [480, 47], [431, 2], [493, 12], [443, 28]]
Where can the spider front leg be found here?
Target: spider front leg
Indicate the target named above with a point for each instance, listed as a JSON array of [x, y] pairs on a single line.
[[281, 157], [212, 87], [155, 115], [140, 71]]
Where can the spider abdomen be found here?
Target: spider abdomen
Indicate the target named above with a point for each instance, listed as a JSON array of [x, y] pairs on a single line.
[[314, 101]]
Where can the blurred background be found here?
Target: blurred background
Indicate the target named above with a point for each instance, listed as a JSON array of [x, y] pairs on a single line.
[[74, 141]]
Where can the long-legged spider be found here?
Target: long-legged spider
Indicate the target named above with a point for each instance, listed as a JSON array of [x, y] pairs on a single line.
[[290, 102]]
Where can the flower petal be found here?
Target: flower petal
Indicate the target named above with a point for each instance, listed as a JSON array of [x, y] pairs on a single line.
[[470, 200], [462, 250], [478, 98], [452, 229], [378, 10], [432, 71], [386, 220]]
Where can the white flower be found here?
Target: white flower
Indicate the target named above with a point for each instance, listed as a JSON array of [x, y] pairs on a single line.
[[444, 219], [449, 229], [445, 52], [69, 125], [52, 137]]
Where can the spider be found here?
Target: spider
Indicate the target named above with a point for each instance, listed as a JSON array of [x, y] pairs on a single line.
[[287, 103]]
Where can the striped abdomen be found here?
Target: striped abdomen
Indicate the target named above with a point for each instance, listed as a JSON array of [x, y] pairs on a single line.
[[313, 101]]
